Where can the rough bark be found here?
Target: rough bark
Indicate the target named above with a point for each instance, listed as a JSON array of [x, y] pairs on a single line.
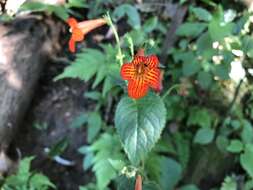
[[24, 45], [171, 38]]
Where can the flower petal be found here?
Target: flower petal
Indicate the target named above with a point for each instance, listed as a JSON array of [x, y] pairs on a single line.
[[138, 183], [77, 34], [89, 25], [137, 88], [152, 61], [153, 78], [72, 45], [127, 71], [72, 22], [138, 60]]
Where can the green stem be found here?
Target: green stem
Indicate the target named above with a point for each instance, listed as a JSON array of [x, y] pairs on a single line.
[[116, 35], [131, 45], [169, 90]]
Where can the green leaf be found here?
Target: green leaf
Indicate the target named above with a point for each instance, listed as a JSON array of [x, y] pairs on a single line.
[[94, 95], [24, 166], [107, 86], [94, 125], [100, 156], [235, 146], [190, 68], [139, 124], [204, 79], [247, 45], [229, 184], [205, 46], [222, 142], [131, 12], [189, 187], [25, 178], [89, 186], [138, 36], [222, 71], [190, 65], [182, 147], [101, 74], [185, 57], [79, 121], [40, 126], [171, 173], [118, 165], [247, 132], [88, 161], [59, 11], [125, 183], [33, 6], [248, 185], [201, 13], [191, 29], [175, 108], [165, 171], [104, 149], [39, 181], [85, 66], [76, 3], [59, 147], [218, 29], [200, 116], [246, 159], [204, 136], [150, 24]]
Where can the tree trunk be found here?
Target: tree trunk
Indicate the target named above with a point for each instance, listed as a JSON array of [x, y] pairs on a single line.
[[24, 45]]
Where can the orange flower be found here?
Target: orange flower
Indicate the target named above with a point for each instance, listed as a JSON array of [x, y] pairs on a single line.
[[141, 73], [80, 29], [138, 183]]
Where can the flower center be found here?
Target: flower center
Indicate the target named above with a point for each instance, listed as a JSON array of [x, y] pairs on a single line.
[[140, 68]]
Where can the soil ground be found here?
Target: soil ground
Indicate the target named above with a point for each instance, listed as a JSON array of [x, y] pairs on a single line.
[[55, 105]]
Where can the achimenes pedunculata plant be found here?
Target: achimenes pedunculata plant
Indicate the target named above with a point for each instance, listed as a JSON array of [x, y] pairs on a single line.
[[140, 114]]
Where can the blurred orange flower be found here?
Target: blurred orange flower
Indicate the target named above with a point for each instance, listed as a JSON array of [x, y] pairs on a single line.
[[80, 29], [138, 183], [141, 73]]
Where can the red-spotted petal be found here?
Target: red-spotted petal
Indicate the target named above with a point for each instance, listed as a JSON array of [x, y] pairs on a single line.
[[151, 61], [152, 78], [72, 45], [127, 71], [137, 88], [160, 87], [72, 22], [138, 60]]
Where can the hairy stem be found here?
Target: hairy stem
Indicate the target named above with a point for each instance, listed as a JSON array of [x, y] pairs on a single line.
[[116, 35], [169, 90]]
